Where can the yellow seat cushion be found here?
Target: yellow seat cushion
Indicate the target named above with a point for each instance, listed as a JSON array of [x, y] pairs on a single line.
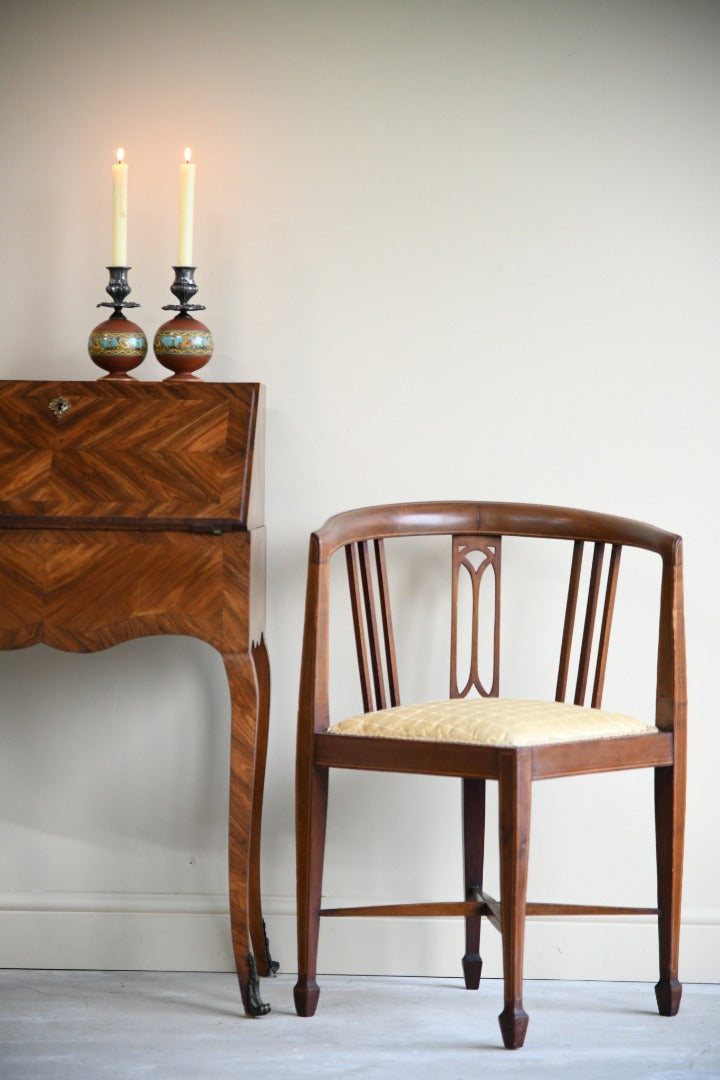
[[492, 722]]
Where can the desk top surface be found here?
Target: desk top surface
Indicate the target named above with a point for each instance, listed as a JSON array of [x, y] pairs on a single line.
[[127, 454]]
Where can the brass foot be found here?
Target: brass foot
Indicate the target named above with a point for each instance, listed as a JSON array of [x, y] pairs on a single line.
[[273, 965], [255, 1005]]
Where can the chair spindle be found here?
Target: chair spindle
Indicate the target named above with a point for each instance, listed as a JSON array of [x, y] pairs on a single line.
[[605, 626], [569, 625], [386, 614], [356, 601], [589, 626]]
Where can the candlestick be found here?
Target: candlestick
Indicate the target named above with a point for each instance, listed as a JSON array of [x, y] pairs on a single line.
[[119, 210], [185, 217], [117, 345], [183, 344]]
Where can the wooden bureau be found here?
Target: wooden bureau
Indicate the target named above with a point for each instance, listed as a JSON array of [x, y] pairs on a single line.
[[129, 509]]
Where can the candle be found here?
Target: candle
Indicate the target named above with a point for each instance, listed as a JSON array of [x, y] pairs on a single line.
[[119, 210], [185, 221]]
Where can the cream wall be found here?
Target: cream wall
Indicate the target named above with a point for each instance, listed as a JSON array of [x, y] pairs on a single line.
[[472, 251]]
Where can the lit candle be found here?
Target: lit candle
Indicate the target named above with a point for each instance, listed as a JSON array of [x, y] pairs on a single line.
[[185, 221], [119, 210]]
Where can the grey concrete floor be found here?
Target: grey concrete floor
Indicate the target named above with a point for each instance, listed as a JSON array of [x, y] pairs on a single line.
[[112, 1025]]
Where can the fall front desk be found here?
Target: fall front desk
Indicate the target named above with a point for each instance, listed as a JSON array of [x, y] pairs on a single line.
[[129, 509]]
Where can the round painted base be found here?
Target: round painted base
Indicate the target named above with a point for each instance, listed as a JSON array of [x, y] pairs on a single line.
[[183, 345], [117, 345]]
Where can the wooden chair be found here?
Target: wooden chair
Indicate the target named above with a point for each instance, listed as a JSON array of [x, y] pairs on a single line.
[[485, 737]]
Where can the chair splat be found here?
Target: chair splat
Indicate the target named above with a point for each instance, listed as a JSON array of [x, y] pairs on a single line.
[[487, 556]]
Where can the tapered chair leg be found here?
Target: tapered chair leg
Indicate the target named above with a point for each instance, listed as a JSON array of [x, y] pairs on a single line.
[[311, 795], [669, 839], [515, 799], [473, 856]]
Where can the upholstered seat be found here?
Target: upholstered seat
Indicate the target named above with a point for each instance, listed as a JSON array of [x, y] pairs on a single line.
[[492, 722]]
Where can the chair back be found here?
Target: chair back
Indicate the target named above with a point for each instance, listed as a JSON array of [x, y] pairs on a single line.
[[476, 532]]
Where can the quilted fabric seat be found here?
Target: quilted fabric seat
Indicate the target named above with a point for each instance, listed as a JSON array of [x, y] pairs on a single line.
[[485, 721]]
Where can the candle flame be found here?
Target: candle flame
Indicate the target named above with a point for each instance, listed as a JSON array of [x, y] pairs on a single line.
[[120, 154], [188, 154]]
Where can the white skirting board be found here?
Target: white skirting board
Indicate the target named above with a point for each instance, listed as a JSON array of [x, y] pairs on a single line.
[[192, 933]]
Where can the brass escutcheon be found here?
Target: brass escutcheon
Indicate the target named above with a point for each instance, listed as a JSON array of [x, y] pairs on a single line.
[[59, 406]]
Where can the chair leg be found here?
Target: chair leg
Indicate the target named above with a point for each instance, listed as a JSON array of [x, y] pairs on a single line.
[[311, 818], [473, 853], [515, 799], [669, 841]]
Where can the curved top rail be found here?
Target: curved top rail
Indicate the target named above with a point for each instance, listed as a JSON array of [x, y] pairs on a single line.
[[503, 518]]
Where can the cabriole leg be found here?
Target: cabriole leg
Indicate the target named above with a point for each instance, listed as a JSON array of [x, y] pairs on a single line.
[[265, 963], [244, 713]]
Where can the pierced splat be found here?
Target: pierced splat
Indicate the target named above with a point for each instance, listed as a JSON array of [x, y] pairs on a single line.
[[367, 577], [593, 595], [475, 555]]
